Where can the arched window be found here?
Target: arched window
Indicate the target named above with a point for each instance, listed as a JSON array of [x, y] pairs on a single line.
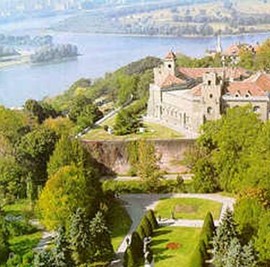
[[211, 96], [169, 66], [256, 109], [209, 110]]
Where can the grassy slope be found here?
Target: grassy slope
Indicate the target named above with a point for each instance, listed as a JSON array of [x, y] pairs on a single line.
[[186, 237], [188, 208]]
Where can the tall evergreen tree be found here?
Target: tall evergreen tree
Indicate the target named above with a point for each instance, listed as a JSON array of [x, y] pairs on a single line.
[[233, 255], [101, 246], [225, 233], [63, 253], [44, 258], [249, 257], [79, 235]]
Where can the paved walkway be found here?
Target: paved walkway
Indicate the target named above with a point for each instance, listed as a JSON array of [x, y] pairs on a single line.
[[47, 237], [137, 204], [186, 177]]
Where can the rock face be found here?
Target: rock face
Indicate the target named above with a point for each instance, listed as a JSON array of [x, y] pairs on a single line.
[[113, 155]]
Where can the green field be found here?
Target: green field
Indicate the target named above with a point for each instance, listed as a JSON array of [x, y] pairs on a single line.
[[187, 208], [186, 238], [152, 131]]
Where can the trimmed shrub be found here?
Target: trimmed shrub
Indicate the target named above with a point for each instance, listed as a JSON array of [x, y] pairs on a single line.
[[129, 260], [141, 232], [152, 219], [146, 226], [197, 259], [208, 230], [203, 250], [136, 247]]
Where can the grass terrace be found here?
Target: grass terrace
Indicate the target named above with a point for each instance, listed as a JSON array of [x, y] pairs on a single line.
[[173, 246], [187, 208], [152, 131]]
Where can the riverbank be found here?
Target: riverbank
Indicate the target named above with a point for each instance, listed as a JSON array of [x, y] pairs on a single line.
[[157, 36], [25, 59]]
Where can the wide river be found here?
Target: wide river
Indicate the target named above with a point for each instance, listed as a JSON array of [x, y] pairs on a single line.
[[100, 54]]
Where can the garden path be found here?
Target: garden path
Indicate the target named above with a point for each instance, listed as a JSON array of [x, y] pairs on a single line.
[[46, 238], [137, 204]]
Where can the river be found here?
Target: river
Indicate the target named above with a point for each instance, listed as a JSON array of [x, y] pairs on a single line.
[[100, 54]]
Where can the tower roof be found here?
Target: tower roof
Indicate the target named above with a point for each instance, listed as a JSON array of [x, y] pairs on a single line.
[[171, 55]]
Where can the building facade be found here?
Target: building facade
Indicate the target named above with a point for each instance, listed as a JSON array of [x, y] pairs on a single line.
[[184, 98]]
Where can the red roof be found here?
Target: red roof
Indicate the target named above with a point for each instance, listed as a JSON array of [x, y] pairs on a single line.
[[262, 80], [196, 73], [170, 80], [170, 55], [197, 90], [245, 88], [256, 85]]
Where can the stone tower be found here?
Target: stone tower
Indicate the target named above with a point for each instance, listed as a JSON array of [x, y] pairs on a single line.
[[211, 96], [170, 63], [167, 70]]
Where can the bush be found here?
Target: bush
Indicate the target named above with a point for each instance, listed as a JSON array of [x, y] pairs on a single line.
[[141, 232], [129, 260], [197, 258], [152, 219], [20, 227], [136, 247], [208, 229], [135, 187], [145, 223]]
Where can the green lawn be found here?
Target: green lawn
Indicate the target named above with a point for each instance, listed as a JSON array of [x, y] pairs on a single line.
[[119, 222], [152, 131], [21, 207], [25, 243], [186, 238], [30, 236], [187, 208]]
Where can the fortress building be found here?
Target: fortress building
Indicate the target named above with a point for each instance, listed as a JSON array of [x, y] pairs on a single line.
[[184, 98]]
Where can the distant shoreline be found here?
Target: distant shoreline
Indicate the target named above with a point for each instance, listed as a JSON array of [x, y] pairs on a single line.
[[157, 36], [18, 61]]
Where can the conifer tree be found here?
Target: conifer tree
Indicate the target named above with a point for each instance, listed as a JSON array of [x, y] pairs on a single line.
[[146, 226], [249, 257], [129, 258], [79, 235], [63, 253], [141, 232], [197, 259], [226, 232], [44, 259], [101, 246], [136, 246], [233, 255], [152, 219], [208, 230]]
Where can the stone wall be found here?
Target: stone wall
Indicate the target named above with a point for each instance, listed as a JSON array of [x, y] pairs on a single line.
[[113, 155]]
